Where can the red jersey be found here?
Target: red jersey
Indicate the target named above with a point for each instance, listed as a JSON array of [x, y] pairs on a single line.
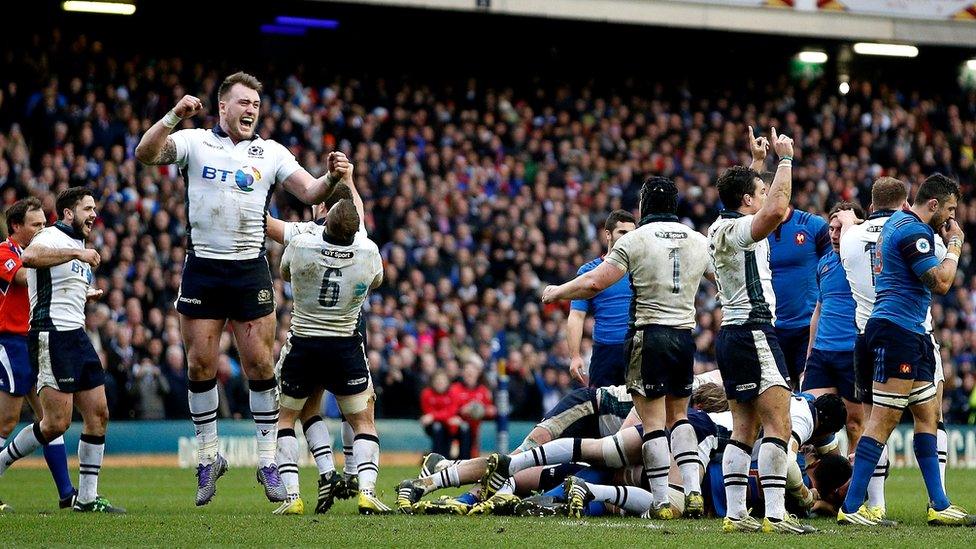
[[441, 406], [14, 302]]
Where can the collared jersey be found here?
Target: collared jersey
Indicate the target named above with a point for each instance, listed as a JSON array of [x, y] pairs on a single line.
[[329, 281], [58, 294], [742, 274], [836, 330], [610, 308], [14, 303], [795, 248], [905, 251], [666, 260], [228, 190]]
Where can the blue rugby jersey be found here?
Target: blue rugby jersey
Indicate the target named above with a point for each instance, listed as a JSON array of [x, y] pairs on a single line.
[[795, 247], [905, 251], [610, 308], [836, 330]]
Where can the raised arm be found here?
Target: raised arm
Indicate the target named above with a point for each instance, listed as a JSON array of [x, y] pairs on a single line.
[[939, 278], [311, 190], [758, 146], [156, 146], [777, 203]]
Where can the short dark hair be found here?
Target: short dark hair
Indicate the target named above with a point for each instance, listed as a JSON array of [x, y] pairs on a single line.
[[734, 184], [69, 198], [658, 195], [18, 211], [239, 77], [340, 192], [343, 220], [939, 187], [832, 472], [616, 217], [831, 413], [844, 206], [888, 193]]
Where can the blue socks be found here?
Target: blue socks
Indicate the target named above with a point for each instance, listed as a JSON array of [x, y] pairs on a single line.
[[468, 498], [866, 458], [57, 461], [927, 456]]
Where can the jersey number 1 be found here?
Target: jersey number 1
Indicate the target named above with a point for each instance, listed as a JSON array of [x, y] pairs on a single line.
[[676, 272], [329, 293]]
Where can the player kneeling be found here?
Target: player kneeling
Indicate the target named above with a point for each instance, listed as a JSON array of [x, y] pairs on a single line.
[[331, 270]]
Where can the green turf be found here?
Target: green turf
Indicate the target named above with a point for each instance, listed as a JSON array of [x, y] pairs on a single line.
[[161, 513]]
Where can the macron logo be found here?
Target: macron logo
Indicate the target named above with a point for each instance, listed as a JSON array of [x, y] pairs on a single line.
[[190, 300]]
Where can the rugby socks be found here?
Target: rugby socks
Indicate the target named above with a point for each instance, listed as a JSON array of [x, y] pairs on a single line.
[[876, 486], [57, 461], [91, 448], [866, 459], [319, 444], [629, 498], [927, 457], [348, 435], [556, 451], [735, 469], [942, 444], [684, 446], [508, 487], [366, 452], [772, 476], [203, 410], [24, 444], [657, 461], [3, 442], [446, 477], [264, 410], [288, 461]]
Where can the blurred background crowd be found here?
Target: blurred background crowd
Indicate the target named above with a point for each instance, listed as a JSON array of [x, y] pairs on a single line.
[[478, 195]]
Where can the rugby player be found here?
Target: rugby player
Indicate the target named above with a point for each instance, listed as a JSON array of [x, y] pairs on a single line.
[[747, 351], [69, 372], [906, 273], [830, 358], [230, 172], [665, 260], [331, 271], [611, 311]]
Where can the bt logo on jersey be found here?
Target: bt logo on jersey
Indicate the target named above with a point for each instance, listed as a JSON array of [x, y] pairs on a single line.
[[244, 178]]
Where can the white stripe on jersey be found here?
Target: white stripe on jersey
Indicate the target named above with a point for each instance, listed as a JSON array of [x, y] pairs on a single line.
[[329, 282], [228, 189], [857, 248], [742, 274], [58, 294]]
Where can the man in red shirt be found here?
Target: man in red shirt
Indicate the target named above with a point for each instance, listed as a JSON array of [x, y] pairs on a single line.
[[440, 419], [24, 219], [473, 401]]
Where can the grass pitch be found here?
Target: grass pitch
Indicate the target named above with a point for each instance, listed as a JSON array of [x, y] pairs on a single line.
[[161, 513]]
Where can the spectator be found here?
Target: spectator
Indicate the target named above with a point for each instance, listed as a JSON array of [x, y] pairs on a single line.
[[474, 403], [440, 418]]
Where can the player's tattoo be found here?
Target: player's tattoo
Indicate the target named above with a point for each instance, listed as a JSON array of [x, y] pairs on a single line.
[[168, 153], [929, 279]]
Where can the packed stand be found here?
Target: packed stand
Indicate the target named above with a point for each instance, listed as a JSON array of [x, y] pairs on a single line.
[[477, 198]]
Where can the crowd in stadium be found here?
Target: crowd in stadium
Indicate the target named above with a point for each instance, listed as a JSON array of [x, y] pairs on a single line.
[[477, 197]]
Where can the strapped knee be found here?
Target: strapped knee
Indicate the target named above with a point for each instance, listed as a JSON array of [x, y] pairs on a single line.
[[893, 401], [613, 452], [922, 394]]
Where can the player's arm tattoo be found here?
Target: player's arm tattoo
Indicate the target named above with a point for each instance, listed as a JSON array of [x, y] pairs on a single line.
[[930, 279], [167, 155]]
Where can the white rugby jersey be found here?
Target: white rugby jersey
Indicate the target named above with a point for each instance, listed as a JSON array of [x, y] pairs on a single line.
[[802, 423], [857, 248], [228, 190], [329, 282], [742, 274], [666, 260], [58, 294]]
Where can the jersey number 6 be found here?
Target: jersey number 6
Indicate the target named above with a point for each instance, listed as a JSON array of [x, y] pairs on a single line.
[[329, 293]]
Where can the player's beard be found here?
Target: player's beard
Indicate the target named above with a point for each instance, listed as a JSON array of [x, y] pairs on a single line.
[[78, 226]]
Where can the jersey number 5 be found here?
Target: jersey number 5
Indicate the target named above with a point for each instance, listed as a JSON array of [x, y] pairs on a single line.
[[329, 293]]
